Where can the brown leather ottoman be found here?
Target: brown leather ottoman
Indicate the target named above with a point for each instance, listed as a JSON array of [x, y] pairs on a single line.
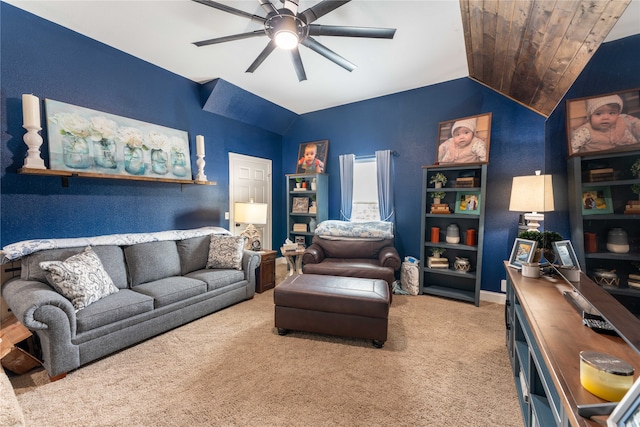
[[343, 306]]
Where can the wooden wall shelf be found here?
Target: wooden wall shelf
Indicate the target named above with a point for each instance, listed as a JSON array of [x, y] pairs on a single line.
[[67, 174]]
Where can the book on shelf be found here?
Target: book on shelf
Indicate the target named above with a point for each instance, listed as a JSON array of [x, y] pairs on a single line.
[[300, 227], [632, 207], [597, 175], [440, 208], [467, 182], [433, 262]]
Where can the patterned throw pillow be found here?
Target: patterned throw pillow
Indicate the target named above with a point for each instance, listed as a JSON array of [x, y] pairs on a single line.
[[81, 278], [226, 252]]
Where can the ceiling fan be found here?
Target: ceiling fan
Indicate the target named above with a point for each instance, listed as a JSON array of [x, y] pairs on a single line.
[[286, 29]]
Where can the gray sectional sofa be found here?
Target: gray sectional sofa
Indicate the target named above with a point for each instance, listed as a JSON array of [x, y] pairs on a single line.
[[161, 285]]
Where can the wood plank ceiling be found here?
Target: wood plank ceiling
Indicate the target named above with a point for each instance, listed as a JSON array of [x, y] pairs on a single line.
[[533, 50]]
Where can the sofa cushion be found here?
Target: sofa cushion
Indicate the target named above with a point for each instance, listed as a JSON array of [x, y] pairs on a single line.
[[193, 253], [152, 261], [122, 305], [216, 279], [81, 278], [111, 256], [226, 252], [365, 268], [172, 289]]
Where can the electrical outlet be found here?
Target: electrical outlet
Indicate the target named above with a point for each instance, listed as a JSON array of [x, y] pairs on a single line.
[[226, 215], [503, 285]]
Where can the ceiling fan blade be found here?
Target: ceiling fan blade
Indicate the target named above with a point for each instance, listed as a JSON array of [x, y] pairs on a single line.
[[297, 64], [263, 55], [321, 9], [328, 53], [268, 7], [240, 36], [232, 10], [292, 5], [333, 30]]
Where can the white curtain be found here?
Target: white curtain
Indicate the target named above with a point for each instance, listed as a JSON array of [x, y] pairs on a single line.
[[385, 185], [346, 185]]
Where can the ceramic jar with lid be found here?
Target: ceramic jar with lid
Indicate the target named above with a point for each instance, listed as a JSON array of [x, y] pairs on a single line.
[[453, 234], [462, 264], [617, 241]]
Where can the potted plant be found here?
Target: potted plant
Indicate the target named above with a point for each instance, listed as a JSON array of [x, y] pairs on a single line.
[[438, 196], [636, 189], [635, 169], [544, 240], [439, 180], [437, 252]]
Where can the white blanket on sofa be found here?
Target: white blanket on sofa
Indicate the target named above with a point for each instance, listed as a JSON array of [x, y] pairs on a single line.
[[371, 230], [17, 250]]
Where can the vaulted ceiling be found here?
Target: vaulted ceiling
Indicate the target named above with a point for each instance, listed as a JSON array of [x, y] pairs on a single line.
[[533, 50], [529, 50]]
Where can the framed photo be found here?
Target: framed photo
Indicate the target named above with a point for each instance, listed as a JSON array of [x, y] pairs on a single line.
[[312, 157], [565, 255], [596, 200], [468, 202], [84, 140], [464, 140], [523, 251], [604, 123], [627, 412], [300, 240], [300, 205]]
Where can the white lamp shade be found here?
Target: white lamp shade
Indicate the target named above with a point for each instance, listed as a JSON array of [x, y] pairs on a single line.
[[250, 213], [532, 193]]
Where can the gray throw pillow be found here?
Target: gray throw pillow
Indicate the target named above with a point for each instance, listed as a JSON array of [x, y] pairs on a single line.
[[226, 252], [80, 278]]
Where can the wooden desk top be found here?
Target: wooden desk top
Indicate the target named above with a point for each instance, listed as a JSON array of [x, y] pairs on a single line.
[[557, 328]]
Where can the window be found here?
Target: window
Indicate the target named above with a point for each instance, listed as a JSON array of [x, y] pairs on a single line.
[[365, 191]]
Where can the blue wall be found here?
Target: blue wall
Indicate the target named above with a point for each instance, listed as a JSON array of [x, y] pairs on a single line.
[[49, 61], [408, 123], [52, 62]]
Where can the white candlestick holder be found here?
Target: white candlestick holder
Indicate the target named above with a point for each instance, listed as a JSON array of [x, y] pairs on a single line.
[[200, 162], [33, 140]]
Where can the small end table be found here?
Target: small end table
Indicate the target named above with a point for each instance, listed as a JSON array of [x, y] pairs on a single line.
[[294, 259], [266, 271]]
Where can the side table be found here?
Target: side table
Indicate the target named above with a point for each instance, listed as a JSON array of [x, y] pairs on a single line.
[[294, 259], [266, 271], [14, 358]]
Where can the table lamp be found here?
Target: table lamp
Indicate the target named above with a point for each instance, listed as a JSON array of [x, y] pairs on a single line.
[[251, 213], [532, 194]]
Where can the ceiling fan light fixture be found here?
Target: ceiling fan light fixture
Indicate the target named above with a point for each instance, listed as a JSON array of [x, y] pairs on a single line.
[[286, 39], [285, 31]]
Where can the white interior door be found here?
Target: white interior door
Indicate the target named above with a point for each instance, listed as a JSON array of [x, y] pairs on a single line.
[[250, 178]]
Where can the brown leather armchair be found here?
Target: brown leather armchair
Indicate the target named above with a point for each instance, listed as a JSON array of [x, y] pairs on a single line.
[[352, 257]]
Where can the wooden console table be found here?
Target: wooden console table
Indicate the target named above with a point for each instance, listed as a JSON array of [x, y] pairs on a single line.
[[545, 335]]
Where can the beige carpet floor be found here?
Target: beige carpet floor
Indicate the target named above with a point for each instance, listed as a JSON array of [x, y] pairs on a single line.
[[445, 364]]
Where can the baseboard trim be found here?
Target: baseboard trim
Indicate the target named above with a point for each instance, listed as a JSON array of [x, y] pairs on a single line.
[[493, 297]]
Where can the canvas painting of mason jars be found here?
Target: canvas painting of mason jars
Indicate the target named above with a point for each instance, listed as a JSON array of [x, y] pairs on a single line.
[[85, 140]]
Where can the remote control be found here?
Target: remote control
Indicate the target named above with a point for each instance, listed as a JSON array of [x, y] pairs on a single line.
[[599, 325]]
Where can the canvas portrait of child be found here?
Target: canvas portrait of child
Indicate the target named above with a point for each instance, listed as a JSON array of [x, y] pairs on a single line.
[[604, 123], [464, 140], [312, 157]]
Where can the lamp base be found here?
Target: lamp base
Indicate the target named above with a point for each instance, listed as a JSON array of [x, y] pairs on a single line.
[[253, 242], [533, 220]]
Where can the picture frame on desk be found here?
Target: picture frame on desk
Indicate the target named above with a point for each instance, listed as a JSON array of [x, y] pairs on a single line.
[[468, 203], [522, 252], [565, 255], [596, 200]]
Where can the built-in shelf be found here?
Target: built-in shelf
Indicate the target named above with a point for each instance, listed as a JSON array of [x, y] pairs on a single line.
[[68, 174]]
